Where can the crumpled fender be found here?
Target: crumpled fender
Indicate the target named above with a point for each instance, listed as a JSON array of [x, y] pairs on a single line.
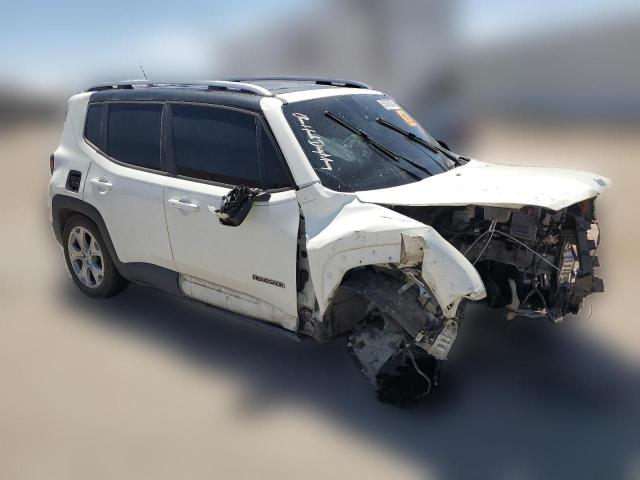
[[357, 234], [448, 273]]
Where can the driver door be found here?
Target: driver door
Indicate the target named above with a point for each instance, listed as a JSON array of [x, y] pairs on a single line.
[[251, 268]]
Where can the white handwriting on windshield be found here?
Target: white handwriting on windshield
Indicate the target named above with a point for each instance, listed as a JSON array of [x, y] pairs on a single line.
[[314, 140]]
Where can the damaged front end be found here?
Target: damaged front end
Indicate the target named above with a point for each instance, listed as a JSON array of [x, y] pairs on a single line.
[[534, 262], [395, 277], [406, 314]]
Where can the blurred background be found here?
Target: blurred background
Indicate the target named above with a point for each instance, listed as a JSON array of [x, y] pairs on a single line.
[[148, 386]]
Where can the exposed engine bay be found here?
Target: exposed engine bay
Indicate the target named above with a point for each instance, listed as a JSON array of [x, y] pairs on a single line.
[[534, 262]]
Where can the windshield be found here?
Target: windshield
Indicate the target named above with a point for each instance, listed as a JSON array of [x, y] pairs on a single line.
[[350, 145]]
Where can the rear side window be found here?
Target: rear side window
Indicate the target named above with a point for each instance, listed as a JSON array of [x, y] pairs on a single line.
[[94, 120], [216, 144], [133, 134]]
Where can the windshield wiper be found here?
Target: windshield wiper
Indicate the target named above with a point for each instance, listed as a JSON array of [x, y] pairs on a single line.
[[421, 141], [377, 146]]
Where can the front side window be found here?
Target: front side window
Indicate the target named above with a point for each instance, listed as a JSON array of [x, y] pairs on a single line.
[[216, 144], [354, 142], [133, 134]]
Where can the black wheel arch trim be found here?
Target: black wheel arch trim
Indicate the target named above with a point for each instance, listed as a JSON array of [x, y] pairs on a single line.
[[137, 272]]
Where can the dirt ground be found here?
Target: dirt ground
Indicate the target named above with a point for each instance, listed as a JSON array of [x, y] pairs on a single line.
[[149, 386]]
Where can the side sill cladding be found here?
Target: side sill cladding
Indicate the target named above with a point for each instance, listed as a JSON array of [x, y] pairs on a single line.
[[63, 206], [237, 302]]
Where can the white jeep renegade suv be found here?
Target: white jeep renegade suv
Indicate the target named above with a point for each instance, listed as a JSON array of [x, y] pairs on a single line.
[[319, 206]]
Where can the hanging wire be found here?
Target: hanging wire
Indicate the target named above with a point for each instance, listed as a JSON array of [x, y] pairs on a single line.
[[420, 372], [530, 249], [491, 231], [475, 241], [590, 308]]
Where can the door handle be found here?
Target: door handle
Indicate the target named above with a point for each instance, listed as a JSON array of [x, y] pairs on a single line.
[[102, 183], [183, 205]]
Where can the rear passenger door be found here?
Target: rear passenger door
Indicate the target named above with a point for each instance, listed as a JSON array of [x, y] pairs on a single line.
[[250, 268], [125, 180]]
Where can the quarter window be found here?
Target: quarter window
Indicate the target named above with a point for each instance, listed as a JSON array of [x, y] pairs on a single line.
[[133, 134], [216, 144]]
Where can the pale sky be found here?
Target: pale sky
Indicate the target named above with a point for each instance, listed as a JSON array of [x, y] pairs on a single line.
[[65, 44]]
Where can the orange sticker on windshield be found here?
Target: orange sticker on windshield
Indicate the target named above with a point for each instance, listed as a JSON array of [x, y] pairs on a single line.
[[407, 118]]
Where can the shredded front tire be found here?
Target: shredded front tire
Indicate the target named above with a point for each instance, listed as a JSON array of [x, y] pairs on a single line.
[[399, 335], [401, 373]]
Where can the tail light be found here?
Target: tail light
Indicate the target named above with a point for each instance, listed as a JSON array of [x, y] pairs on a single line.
[[52, 163]]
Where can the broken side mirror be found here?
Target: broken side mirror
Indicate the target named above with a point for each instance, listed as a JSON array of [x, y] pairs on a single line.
[[237, 203]]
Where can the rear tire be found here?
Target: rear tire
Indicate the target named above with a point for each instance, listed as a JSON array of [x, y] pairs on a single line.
[[88, 261]]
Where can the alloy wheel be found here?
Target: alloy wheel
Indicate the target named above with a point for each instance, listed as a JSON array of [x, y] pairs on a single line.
[[86, 257]]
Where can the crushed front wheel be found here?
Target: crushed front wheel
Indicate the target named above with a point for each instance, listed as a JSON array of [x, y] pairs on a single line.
[[401, 373], [398, 333]]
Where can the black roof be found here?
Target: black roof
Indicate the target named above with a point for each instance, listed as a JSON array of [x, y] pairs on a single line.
[[279, 85], [239, 92]]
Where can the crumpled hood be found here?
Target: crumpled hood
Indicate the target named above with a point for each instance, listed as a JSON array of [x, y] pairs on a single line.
[[489, 184]]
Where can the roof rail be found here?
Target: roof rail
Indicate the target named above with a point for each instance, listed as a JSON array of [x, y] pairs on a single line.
[[336, 82], [210, 84]]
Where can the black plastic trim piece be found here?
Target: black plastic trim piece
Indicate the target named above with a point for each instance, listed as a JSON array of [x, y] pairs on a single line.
[[73, 181], [169, 154]]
